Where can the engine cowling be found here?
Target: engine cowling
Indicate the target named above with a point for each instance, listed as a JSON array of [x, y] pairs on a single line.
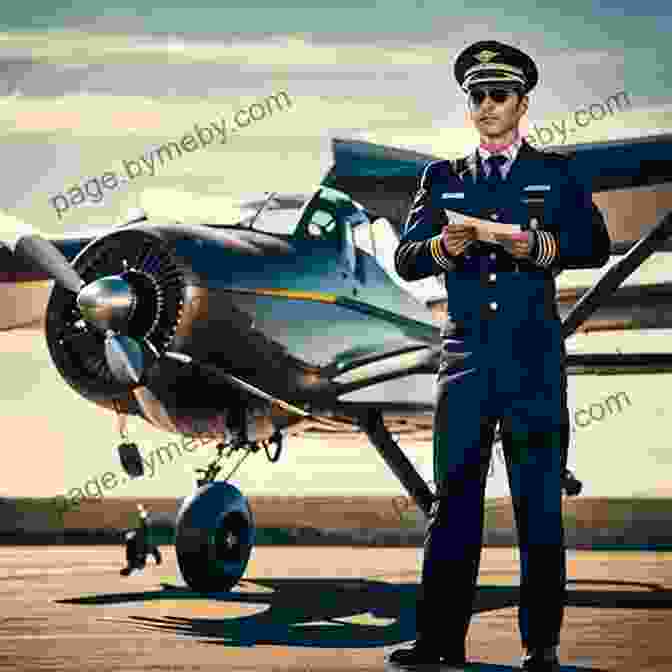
[[159, 282], [167, 305]]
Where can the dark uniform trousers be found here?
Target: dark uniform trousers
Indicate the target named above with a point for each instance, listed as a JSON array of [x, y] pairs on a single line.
[[503, 314]]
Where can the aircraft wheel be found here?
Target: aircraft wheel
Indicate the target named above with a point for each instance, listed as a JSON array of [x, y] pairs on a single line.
[[214, 536]]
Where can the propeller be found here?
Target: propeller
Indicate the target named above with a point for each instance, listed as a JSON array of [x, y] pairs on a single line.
[[608, 283], [50, 260], [123, 355], [106, 303]]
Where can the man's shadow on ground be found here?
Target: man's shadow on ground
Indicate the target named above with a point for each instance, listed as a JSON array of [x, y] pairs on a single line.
[[324, 612]]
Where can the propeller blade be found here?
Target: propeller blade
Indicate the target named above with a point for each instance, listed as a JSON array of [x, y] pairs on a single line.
[[124, 357], [610, 281], [49, 259], [153, 409]]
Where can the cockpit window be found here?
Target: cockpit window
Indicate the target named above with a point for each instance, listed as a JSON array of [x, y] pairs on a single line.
[[322, 224]]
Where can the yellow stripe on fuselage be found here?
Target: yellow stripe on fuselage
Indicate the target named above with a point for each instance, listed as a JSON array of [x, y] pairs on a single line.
[[323, 297], [30, 283]]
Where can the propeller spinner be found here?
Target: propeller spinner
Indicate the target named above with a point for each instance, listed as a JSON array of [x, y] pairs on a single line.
[[107, 302]]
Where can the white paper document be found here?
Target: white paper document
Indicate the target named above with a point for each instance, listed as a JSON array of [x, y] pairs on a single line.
[[486, 230]]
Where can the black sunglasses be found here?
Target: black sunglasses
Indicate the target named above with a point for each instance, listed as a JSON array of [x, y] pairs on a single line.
[[477, 96]]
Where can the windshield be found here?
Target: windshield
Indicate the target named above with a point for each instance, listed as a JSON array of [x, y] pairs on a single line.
[[280, 221]]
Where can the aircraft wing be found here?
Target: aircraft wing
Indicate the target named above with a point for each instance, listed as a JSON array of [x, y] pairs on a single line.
[[406, 399]]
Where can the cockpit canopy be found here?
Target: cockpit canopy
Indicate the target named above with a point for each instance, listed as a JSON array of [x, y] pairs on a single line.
[[324, 216]]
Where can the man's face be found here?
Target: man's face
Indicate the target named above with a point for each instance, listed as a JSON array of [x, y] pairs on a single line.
[[498, 112]]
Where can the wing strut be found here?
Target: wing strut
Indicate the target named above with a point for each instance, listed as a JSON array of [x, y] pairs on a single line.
[[380, 437], [610, 281]]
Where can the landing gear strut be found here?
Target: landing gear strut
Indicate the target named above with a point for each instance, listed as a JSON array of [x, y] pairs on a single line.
[[401, 467], [212, 470]]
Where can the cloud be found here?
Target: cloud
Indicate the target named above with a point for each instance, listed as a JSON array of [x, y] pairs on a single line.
[[190, 207], [92, 99], [84, 116], [72, 46]]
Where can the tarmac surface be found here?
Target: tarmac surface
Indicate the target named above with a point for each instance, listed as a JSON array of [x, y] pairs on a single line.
[[309, 609]]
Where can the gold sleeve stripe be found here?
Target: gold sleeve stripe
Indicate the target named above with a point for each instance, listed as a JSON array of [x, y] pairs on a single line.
[[438, 255], [547, 248], [554, 248], [542, 254], [544, 249]]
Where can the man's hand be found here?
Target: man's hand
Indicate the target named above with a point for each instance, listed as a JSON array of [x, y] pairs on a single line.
[[456, 237], [521, 245]]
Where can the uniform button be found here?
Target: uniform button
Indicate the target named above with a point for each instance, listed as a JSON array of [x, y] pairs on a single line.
[[493, 256], [492, 277], [493, 305], [494, 215], [467, 256]]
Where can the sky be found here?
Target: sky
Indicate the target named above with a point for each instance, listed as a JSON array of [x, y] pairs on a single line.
[[87, 88], [97, 84]]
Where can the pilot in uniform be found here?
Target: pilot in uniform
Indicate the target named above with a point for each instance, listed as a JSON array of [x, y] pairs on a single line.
[[503, 316]]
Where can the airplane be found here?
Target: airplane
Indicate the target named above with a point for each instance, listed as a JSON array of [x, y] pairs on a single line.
[[250, 331]]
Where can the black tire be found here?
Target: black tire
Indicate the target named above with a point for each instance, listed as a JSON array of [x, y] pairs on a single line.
[[210, 560]]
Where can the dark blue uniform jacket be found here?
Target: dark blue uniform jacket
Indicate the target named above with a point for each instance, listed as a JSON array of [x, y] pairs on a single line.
[[502, 307]]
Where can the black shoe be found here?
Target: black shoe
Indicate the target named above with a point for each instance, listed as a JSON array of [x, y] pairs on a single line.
[[423, 654], [571, 484], [541, 660]]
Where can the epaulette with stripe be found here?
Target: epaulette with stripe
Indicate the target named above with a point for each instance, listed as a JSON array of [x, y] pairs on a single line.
[[440, 169], [459, 165], [557, 155]]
